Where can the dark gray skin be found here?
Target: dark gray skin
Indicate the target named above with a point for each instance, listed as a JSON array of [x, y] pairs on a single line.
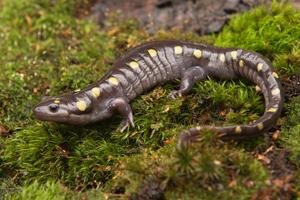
[[156, 63]]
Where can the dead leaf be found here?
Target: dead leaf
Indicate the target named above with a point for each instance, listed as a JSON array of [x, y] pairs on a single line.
[[278, 182], [276, 135], [3, 131], [263, 158], [232, 184]]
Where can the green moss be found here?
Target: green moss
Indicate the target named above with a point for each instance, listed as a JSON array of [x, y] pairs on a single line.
[[50, 190], [45, 51], [34, 147], [291, 129], [233, 102], [193, 173], [290, 135], [79, 158], [272, 31], [8, 187], [47, 190]]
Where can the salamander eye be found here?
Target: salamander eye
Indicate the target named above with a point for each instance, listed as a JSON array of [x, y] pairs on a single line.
[[53, 107]]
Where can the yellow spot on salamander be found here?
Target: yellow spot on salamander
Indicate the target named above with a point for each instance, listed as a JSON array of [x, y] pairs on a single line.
[[96, 92], [257, 88], [259, 66], [57, 101], [77, 90], [222, 58], [238, 129], [178, 50], [197, 53], [152, 52], [272, 110], [81, 105], [112, 80], [233, 55], [134, 65], [275, 75], [275, 91], [241, 63], [260, 126]]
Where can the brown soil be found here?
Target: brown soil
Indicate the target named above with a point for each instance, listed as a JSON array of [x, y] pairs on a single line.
[[291, 85], [282, 171]]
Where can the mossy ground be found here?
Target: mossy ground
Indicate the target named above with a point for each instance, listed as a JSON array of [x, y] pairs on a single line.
[[46, 49]]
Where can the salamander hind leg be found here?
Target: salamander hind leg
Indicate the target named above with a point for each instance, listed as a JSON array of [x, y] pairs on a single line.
[[189, 78], [123, 108]]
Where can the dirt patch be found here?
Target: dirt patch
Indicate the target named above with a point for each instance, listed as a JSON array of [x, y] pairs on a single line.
[[201, 16], [282, 171], [291, 85], [149, 191]]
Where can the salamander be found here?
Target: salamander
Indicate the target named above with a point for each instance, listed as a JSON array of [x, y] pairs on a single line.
[[158, 62]]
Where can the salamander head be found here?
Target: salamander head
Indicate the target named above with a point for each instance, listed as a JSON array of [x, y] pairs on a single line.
[[53, 109], [79, 108], [69, 108]]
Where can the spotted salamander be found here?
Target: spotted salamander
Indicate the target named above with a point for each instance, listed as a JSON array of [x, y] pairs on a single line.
[[157, 62]]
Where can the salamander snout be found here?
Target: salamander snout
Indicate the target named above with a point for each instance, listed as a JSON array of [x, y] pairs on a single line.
[[51, 110]]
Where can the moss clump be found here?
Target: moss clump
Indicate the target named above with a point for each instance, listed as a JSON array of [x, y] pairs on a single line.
[[291, 129], [273, 31], [192, 172], [291, 135], [49, 190], [80, 159]]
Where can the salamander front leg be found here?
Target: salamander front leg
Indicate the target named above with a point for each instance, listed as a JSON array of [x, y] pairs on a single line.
[[189, 78], [123, 108]]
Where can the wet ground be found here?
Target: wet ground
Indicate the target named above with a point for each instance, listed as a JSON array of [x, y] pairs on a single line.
[[201, 16], [291, 85]]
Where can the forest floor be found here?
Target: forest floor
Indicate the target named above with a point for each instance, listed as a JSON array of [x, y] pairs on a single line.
[[51, 47]]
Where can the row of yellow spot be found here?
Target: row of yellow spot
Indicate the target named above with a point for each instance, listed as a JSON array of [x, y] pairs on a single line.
[[198, 54], [177, 50], [81, 105], [275, 91], [238, 129]]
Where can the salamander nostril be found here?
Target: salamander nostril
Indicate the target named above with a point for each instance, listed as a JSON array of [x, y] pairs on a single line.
[[36, 110]]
